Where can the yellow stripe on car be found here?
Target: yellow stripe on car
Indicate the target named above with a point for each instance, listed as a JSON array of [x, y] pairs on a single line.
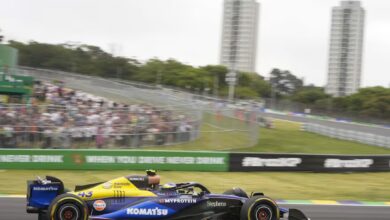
[[120, 187]]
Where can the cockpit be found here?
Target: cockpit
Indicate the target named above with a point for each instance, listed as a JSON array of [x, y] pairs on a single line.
[[150, 181]]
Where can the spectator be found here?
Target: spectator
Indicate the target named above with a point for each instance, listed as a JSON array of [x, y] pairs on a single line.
[[70, 118], [99, 138]]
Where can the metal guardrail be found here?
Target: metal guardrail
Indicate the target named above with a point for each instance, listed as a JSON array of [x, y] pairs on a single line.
[[285, 105], [361, 137]]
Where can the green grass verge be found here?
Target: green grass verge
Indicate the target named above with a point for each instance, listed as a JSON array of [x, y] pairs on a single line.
[[286, 137], [218, 134], [357, 186]]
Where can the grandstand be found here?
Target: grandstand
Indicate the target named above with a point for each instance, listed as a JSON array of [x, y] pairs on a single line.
[[64, 118], [69, 111]]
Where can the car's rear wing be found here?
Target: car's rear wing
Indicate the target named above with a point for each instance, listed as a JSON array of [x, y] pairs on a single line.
[[41, 192]]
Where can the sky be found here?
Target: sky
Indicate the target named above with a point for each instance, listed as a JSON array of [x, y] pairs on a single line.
[[293, 34]]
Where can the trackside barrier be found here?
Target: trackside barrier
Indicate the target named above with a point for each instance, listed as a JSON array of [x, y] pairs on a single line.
[[306, 162], [113, 160], [187, 161], [350, 135]]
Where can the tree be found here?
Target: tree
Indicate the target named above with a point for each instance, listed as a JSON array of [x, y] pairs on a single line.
[[217, 75], [309, 95], [284, 82], [372, 101], [256, 83], [85, 59], [150, 72], [367, 102], [245, 93], [1, 37]]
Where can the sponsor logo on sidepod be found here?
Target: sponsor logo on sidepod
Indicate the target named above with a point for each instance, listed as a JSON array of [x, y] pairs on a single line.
[[145, 211], [137, 179], [216, 204], [99, 205], [107, 185], [178, 201], [47, 188], [120, 185]]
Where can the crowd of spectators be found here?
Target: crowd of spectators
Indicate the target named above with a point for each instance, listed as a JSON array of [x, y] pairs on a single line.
[[58, 117]]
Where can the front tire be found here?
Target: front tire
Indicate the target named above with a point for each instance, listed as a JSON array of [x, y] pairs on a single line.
[[68, 207], [260, 208], [42, 216]]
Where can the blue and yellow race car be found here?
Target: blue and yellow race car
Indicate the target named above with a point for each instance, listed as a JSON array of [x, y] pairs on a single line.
[[142, 197]]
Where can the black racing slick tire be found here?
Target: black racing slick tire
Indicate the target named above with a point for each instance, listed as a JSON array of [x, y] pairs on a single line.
[[68, 207], [42, 216], [236, 192], [260, 208]]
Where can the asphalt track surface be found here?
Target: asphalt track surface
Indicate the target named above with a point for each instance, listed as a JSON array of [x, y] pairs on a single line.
[[338, 125], [14, 209]]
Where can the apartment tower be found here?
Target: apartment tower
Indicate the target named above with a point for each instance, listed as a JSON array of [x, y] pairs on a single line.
[[239, 35], [346, 49]]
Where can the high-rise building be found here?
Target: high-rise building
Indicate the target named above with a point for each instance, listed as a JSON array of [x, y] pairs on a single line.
[[239, 35], [346, 49]]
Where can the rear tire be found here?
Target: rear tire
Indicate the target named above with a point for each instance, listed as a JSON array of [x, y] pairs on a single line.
[[67, 207], [260, 208]]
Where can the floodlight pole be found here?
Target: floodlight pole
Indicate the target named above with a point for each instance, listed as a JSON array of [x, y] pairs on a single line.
[[231, 92], [231, 79], [232, 86]]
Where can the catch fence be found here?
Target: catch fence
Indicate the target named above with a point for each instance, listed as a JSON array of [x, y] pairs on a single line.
[[196, 125]]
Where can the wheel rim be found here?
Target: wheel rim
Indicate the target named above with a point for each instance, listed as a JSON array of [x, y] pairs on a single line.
[[263, 213], [69, 212]]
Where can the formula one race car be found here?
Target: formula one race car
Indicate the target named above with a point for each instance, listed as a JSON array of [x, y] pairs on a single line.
[[142, 197]]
